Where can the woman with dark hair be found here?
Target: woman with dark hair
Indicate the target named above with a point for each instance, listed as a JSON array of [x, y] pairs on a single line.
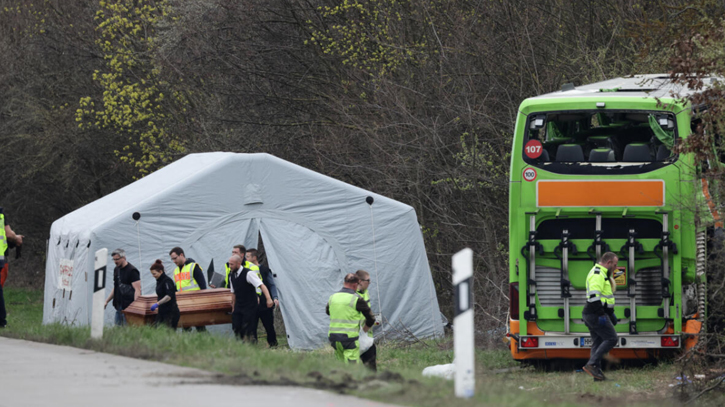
[[166, 294]]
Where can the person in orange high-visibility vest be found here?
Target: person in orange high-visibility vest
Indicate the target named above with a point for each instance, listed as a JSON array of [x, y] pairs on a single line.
[[188, 276]]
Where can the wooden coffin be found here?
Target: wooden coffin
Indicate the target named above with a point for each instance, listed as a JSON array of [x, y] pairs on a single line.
[[197, 308]]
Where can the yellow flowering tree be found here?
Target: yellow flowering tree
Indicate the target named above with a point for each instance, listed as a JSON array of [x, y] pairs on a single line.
[[135, 101], [371, 35]]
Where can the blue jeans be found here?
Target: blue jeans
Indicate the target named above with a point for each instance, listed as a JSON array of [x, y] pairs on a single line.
[[604, 337], [120, 318]]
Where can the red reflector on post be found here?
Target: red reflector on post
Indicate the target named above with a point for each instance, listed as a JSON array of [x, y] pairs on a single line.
[[528, 342], [670, 341]]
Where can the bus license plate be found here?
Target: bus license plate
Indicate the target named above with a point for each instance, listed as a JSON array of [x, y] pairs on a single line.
[[585, 342]]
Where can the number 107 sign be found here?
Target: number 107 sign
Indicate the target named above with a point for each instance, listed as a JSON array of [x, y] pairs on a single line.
[[533, 149]]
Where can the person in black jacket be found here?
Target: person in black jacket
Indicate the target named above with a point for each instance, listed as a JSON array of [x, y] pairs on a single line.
[[126, 285], [244, 284], [166, 295], [264, 313]]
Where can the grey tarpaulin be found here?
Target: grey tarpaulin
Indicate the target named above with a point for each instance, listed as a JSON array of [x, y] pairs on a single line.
[[315, 229]]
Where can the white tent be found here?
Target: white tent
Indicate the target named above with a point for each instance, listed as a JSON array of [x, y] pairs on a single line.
[[315, 229]]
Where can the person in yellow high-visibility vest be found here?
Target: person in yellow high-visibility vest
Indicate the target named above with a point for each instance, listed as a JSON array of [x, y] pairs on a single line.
[[348, 311], [369, 356], [598, 313], [7, 238], [188, 276]]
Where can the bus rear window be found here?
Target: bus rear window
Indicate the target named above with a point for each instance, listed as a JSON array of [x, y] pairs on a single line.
[[600, 141]]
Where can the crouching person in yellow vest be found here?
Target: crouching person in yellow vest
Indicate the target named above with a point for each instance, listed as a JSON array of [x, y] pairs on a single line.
[[188, 276], [348, 311]]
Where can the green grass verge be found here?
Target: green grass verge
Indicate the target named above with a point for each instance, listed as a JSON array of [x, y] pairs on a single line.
[[400, 380]]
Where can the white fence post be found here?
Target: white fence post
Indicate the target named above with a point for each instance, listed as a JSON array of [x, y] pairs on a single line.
[[99, 293], [463, 339]]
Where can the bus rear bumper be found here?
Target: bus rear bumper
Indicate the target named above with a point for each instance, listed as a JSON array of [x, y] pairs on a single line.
[[577, 341], [577, 346]]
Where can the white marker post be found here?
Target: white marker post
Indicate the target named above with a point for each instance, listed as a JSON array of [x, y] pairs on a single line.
[[463, 340], [99, 293]]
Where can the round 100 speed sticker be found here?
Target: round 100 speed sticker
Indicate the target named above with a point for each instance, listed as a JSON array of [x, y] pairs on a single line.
[[529, 174]]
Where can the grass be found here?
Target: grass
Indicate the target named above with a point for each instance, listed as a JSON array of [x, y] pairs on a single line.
[[399, 380]]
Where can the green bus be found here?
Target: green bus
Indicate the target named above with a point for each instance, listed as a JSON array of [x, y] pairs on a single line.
[[593, 169]]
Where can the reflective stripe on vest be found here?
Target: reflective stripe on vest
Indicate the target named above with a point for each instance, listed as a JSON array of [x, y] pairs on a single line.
[[598, 287], [344, 317], [592, 294], [184, 278], [607, 294], [3, 238]]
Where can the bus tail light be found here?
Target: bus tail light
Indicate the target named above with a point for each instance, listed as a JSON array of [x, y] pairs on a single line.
[[670, 341], [529, 342], [514, 301]]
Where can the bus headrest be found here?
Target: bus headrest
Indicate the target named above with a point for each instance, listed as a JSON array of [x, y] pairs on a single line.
[[570, 153]]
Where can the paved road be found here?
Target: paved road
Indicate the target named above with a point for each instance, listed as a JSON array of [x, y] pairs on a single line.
[[37, 374]]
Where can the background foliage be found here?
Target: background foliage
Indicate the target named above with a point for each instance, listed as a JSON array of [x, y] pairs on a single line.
[[415, 100]]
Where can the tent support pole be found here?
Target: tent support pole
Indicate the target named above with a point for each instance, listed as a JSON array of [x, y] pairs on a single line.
[[375, 258]]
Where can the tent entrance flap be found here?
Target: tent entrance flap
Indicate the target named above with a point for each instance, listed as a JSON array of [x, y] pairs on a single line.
[[308, 272]]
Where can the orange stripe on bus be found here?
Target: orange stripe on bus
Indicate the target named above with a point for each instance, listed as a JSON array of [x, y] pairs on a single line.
[[600, 193]]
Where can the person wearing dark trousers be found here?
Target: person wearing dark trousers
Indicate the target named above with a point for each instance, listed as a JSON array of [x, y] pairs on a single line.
[[126, 285], [188, 276], [7, 239], [168, 310], [598, 313], [265, 313], [244, 284], [369, 356]]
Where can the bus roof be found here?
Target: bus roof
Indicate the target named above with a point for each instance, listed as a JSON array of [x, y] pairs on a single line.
[[643, 86]]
